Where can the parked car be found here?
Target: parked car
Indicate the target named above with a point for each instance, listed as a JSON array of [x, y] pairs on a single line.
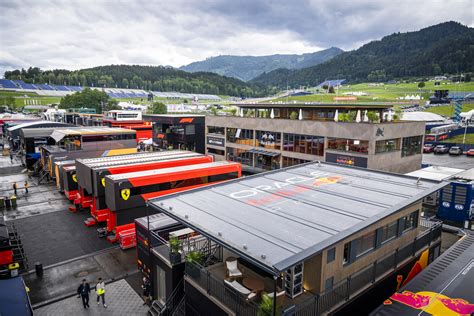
[[455, 150], [428, 148], [441, 149], [470, 152]]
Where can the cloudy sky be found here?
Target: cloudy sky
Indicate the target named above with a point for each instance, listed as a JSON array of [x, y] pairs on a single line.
[[77, 34]]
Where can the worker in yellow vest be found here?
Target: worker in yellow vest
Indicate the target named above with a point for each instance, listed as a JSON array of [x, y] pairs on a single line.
[[27, 185], [100, 290]]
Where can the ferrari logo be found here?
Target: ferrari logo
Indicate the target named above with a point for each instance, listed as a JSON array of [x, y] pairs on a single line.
[[103, 182], [125, 194], [74, 177]]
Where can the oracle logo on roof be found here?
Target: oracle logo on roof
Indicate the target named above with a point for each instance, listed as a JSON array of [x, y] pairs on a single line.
[[317, 179]]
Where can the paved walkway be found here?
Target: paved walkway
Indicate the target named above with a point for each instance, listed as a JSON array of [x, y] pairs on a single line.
[[63, 279], [120, 298]]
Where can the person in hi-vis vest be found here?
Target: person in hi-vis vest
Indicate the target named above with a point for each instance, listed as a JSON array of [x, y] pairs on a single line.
[[100, 290]]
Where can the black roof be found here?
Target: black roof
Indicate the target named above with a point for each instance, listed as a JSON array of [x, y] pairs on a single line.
[[280, 218], [444, 283]]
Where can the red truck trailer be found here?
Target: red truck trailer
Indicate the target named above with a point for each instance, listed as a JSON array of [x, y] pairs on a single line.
[[126, 194]]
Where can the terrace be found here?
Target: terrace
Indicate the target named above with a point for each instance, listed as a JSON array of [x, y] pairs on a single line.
[[271, 245], [243, 293]]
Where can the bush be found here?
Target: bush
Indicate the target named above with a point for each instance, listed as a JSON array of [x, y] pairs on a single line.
[[266, 307], [293, 115], [158, 108], [175, 244], [373, 117], [421, 84]]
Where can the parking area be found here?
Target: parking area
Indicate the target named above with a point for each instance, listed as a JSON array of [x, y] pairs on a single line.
[[445, 160]]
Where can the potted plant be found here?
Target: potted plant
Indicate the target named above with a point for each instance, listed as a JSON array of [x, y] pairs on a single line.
[[193, 260], [265, 308], [293, 115], [175, 245], [373, 117]]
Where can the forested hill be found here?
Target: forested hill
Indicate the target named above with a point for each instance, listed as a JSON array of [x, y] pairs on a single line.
[[446, 48], [157, 78], [248, 67]]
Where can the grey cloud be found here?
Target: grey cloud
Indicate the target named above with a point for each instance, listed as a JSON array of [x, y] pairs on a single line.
[[86, 33]]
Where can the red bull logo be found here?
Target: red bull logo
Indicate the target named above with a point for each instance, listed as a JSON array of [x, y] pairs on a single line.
[[433, 303]]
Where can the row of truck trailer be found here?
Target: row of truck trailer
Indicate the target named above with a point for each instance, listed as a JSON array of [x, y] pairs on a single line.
[[115, 190]]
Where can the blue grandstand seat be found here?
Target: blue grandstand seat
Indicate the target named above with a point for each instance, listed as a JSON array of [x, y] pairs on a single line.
[[62, 88], [23, 85], [45, 87], [74, 88], [7, 84]]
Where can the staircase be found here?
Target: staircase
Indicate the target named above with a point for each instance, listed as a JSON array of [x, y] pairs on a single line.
[[212, 253], [43, 174], [174, 306], [17, 248]]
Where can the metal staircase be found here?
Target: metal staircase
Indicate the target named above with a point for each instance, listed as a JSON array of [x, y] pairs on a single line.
[[174, 306], [17, 248]]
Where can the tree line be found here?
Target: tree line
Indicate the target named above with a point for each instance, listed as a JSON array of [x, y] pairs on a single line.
[[156, 78], [446, 48]]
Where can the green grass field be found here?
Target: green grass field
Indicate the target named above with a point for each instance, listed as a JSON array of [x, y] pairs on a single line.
[[459, 138], [22, 99], [448, 110], [383, 93]]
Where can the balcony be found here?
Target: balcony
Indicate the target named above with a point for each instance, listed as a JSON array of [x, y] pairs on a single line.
[[211, 277], [187, 242]]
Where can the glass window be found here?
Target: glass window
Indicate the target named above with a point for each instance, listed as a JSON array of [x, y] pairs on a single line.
[[331, 255], [240, 155], [364, 244], [388, 145], [329, 283], [240, 136], [347, 253], [411, 221], [354, 145], [306, 144], [216, 130], [161, 284], [216, 151], [388, 232], [288, 161], [268, 139], [411, 146]]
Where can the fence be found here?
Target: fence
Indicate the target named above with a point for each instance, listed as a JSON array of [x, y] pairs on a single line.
[[215, 287], [343, 290]]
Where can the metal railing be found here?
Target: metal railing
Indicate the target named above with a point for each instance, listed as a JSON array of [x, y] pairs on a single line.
[[345, 289], [202, 245], [215, 287]]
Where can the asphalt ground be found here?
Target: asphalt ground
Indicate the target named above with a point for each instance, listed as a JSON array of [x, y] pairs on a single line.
[[61, 280], [58, 236], [119, 297], [445, 160]]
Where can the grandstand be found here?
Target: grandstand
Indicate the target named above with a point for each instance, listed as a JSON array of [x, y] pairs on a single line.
[[61, 91], [331, 83]]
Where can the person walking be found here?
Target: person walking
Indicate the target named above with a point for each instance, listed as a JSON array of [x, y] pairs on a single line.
[[100, 290], [15, 187], [11, 157], [27, 185], [83, 291], [146, 291]]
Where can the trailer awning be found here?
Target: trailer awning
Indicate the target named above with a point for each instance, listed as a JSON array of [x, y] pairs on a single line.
[[57, 135], [263, 152]]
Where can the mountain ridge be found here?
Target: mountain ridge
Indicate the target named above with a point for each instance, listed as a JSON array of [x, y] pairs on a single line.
[[248, 67], [438, 49]]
